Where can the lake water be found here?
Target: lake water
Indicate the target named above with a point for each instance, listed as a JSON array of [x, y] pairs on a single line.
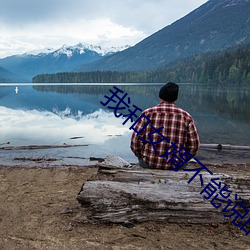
[[72, 114]]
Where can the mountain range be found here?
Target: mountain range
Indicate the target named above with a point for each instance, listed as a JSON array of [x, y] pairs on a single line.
[[214, 26], [64, 59]]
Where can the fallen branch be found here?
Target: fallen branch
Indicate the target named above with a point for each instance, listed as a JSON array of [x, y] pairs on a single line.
[[29, 147], [42, 159], [76, 137]]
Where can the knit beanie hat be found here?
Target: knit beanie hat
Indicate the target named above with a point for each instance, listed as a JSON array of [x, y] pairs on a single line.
[[169, 92]]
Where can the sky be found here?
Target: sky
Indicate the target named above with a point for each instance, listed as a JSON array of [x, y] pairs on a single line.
[[32, 25]]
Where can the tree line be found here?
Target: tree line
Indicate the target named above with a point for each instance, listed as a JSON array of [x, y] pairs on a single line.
[[231, 66]]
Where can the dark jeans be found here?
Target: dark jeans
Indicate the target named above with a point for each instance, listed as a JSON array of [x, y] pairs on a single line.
[[145, 165]]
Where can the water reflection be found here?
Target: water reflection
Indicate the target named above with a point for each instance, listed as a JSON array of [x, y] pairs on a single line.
[[29, 127], [224, 101], [52, 114]]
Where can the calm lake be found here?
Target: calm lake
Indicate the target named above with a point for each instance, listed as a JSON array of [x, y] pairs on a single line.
[[72, 114]]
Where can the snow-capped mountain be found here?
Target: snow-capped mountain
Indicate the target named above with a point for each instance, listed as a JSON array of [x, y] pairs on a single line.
[[81, 48], [64, 59]]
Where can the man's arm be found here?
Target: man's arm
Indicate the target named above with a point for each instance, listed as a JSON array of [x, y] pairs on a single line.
[[193, 140], [136, 144]]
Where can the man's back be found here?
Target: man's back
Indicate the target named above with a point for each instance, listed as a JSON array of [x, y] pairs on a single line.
[[170, 129]]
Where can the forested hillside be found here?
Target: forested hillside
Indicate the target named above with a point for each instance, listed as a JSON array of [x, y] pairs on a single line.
[[229, 66]]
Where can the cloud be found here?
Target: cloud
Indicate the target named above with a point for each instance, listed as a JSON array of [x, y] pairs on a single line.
[[38, 36], [142, 14], [30, 24], [22, 12]]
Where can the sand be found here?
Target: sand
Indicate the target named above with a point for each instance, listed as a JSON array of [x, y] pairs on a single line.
[[38, 210]]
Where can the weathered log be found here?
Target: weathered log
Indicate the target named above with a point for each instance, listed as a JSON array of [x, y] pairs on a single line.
[[139, 195]]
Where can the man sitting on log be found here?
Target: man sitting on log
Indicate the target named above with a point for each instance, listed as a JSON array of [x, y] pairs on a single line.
[[165, 136]]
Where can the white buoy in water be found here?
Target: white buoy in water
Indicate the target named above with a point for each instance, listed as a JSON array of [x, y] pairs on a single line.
[[16, 90]]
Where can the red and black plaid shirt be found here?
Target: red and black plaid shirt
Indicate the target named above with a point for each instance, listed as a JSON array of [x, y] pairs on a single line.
[[178, 126]]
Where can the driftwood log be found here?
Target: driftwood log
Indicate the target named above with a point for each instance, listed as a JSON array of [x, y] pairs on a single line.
[[134, 194], [224, 147]]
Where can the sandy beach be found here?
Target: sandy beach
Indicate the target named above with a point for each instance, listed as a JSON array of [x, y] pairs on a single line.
[[39, 210]]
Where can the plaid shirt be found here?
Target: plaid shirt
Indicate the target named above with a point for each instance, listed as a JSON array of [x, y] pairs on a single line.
[[178, 126]]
